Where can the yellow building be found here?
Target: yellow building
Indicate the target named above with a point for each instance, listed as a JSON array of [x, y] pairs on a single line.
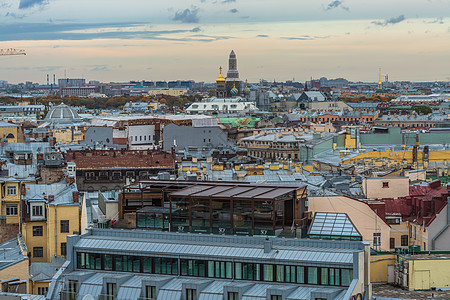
[[67, 136], [423, 271], [12, 132], [53, 213], [10, 200]]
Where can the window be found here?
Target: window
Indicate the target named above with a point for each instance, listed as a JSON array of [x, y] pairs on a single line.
[[73, 289], [233, 296], [11, 210], [191, 294], [150, 292], [37, 211], [38, 252], [37, 231], [63, 249], [42, 290], [276, 297], [424, 246], [392, 243], [64, 226], [404, 240], [385, 184], [377, 238], [111, 291], [116, 175], [11, 191], [90, 175]]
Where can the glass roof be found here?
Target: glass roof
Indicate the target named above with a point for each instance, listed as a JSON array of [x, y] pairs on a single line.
[[333, 225]]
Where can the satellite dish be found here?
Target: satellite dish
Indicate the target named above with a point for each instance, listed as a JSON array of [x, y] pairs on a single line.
[[88, 297]]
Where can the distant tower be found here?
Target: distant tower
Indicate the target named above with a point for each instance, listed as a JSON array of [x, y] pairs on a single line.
[[380, 84], [47, 80], [233, 80], [220, 85]]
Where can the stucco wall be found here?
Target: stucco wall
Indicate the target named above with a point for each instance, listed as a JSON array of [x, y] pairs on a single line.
[[375, 188]]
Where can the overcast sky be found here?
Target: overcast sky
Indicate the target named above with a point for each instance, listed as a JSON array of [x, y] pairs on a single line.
[[116, 40]]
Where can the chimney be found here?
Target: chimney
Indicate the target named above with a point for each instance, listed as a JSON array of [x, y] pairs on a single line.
[[75, 196], [51, 198], [267, 245]]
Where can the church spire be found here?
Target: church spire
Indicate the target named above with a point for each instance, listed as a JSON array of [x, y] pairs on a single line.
[[380, 84]]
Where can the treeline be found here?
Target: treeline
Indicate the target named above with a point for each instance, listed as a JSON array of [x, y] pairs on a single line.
[[105, 103]]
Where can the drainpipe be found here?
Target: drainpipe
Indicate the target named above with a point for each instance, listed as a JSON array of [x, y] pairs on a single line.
[[56, 232]]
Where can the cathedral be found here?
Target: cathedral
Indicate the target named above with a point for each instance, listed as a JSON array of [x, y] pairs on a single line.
[[232, 85]]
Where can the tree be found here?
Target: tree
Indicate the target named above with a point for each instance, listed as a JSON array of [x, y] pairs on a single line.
[[423, 109]]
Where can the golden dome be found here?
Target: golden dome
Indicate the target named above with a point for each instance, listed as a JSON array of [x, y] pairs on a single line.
[[220, 78]]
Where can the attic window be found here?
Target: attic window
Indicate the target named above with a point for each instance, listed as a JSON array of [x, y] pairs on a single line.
[[385, 184]]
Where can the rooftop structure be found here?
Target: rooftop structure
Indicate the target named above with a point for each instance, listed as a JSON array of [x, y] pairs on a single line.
[[181, 266]]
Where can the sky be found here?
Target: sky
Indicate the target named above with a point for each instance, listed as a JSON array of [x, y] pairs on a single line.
[[118, 41]]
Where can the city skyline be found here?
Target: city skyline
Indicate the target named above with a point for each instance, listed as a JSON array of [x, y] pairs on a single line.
[[273, 40]]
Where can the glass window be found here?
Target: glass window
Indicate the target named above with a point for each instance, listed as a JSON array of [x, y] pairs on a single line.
[[242, 217], [290, 274], [11, 191], [268, 272], [64, 226], [108, 262], [263, 217], [221, 216], [312, 275], [324, 276], [147, 265], [191, 294], [404, 240], [280, 273], [276, 297], [180, 215], [200, 215], [11, 210], [63, 249], [300, 275], [347, 276], [38, 231], [233, 296], [150, 292], [111, 291], [37, 211], [38, 252]]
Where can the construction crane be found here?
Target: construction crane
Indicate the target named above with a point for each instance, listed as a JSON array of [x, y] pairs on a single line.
[[12, 51]]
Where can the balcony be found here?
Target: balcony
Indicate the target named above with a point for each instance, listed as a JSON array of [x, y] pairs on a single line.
[[65, 295]]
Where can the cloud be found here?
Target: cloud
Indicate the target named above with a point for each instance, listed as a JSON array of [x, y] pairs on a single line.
[[436, 21], [392, 21], [233, 10], [187, 15], [86, 31], [96, 68], [336, 4], [262, 35], [15, 16], [305, 37], [24, 4]]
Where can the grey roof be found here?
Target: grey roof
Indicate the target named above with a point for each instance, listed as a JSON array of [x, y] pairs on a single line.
[[23, 296], [11, 253], [7, 124], [171, 290], [60, 190], [62, 114]]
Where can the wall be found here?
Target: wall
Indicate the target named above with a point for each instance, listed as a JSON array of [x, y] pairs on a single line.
[[193, 136], [329, 105], [425, 274], [145, 134], [366, 221], [374, 188], [379, 267], [8, 231], [443, 241], [99, 135], [17, 270]]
